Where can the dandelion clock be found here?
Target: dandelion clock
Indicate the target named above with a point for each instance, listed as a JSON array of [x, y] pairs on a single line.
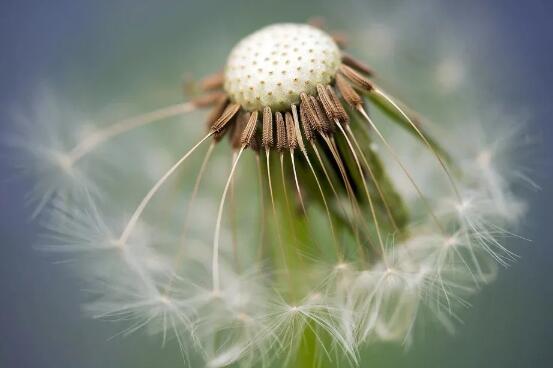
[[313, 212]]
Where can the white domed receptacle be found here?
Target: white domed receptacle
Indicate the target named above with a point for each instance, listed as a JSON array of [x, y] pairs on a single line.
[[272, 66]]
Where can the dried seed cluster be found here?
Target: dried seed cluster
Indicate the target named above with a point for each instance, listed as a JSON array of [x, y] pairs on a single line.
[[280, 76], [274, 65], [381, 266]]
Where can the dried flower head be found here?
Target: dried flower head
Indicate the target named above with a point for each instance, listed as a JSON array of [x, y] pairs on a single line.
[[330, 253]]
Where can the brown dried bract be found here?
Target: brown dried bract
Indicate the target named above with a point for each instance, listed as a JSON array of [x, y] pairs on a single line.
[[310, 112], [305, 123], [255, 142], [290, 131], [348, 92], [225, 117], [281, 141], [356, 64], [267, 140], [217, 111], [327, 103], [341, 113], [327, 125], [237, 128], [250, 129], [356, 77]]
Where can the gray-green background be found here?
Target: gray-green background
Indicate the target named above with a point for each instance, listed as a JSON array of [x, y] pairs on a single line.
[[101, 51]]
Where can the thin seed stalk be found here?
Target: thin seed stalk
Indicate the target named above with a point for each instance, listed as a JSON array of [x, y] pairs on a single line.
[[294, 230], [394, 200]]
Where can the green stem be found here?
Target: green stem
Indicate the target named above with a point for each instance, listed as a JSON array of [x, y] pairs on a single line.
[[307, 352]]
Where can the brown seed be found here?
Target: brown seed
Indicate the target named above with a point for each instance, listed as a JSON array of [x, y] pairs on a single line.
[[327, 125], [356, 77], [305, 123], [217, 111], [255, 143], [290, 131], [237, 128], [225, 117], [310, 112], [249, 130], [356, 64], [347, 91], [326, 102], [341, 113], [281, 141], [267, 141]]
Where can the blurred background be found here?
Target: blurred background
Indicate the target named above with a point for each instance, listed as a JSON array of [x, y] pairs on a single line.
[[104, 53]]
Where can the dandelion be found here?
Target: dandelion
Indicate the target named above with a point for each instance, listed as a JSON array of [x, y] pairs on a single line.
[[315, 250]]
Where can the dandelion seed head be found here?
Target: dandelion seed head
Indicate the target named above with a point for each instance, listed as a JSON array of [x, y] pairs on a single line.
[[348, 230], [274, 65]]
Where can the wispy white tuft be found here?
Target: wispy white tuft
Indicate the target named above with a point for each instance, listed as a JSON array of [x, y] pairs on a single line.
[[41, 146]]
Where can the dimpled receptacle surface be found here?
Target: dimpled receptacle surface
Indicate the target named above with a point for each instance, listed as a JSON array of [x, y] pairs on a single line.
[[272, 66]]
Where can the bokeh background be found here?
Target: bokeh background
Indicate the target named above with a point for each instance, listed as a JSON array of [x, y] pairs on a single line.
[[104, 52]]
